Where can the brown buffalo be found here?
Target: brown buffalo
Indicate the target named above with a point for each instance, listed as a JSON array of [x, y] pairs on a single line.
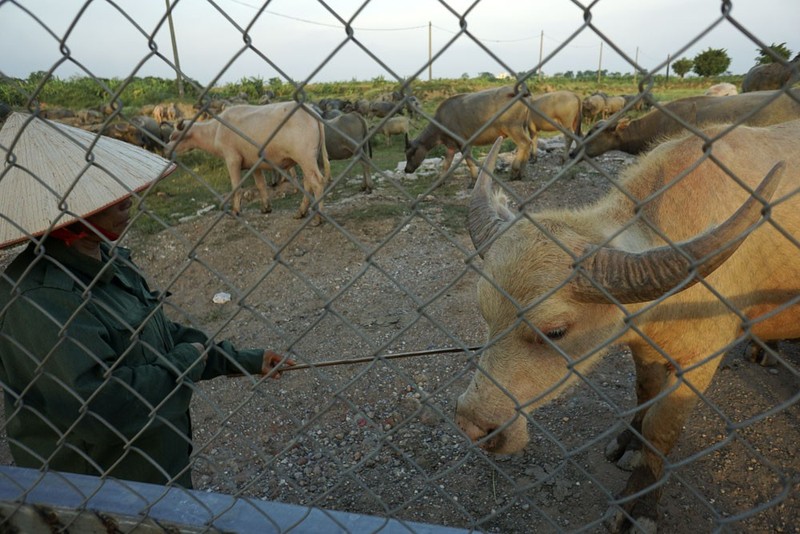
[[638, 135], [346, 136], [554, 112], [560, 286], [772, 76], [122, 131], [274, 136], [474, 119]]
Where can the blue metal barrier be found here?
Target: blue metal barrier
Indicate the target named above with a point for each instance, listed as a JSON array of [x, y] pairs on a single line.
[[28, 496]]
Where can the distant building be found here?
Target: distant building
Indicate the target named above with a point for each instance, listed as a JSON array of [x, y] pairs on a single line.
[[503, 76]]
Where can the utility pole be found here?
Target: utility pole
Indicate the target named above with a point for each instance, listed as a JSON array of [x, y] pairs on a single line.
[[600, 62], [669, 59], [541, 47], [430, 51], [175, 50]]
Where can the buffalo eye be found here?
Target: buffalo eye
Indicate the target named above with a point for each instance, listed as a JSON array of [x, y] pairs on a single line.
[[557, 333]]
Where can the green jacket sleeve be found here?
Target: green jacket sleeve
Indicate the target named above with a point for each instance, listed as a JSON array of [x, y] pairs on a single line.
[[223, 358]]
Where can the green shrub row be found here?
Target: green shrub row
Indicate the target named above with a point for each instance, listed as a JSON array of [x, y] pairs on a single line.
[[86, 92]]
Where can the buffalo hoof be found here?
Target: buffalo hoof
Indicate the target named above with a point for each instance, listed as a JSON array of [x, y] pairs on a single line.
[[625, 450], [299, 214], [639, 514], [266, 210], [618, 522], [757, 354]]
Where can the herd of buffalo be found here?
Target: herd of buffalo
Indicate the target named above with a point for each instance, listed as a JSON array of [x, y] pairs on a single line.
[[695, 251]]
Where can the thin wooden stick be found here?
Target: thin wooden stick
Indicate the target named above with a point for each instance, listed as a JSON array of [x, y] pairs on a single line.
[[368, 359]]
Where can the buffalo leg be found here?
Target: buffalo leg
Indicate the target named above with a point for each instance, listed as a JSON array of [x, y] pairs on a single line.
[[661, 427], [450, 154], [366, 186], [473, 169], [235, 172], [625, 449], [312, 185], [567, 147], [318, 188], [534, 144], [305, 201], [523, 141], [261, 185]]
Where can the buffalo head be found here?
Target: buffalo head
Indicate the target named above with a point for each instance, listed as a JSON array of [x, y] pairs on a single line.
[[415, 154], [552, 292]]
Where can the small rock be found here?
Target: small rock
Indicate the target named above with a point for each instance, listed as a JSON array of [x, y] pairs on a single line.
[[221, 298]]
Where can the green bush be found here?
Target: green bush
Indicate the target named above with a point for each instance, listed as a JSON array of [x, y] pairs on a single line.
[[711, 62]]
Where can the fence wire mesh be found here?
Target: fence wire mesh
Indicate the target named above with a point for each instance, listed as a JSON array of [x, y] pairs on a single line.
[[585, 389]]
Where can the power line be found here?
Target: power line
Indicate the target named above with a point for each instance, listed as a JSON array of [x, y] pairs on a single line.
[[364, 29], [326, 24], [488, 40]]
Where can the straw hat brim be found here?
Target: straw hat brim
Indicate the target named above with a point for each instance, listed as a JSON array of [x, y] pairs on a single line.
[[54, 175]]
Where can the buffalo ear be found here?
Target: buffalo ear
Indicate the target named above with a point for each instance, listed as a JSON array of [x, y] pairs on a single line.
[[488, 210], [408, 144]]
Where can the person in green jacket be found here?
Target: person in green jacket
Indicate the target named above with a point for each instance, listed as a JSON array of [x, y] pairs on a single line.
[[97, 379]]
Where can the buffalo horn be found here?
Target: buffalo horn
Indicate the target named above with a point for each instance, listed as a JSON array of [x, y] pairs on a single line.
[[487, 212], [641, 277]]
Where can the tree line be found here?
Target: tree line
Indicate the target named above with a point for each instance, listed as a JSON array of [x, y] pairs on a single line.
[[715, 61]]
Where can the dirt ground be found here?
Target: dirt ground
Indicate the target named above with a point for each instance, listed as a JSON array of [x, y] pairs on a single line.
[[379, 438]]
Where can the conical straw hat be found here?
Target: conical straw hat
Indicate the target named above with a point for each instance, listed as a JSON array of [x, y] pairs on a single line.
[[52, 174]]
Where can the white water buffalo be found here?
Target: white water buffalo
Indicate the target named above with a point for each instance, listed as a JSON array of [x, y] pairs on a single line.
[[474, 119], [394, 126], [274, 136], [721, 89], [559, 111], [594, 106], [601, 105], [559, 286], [638, 135], [343, 137]]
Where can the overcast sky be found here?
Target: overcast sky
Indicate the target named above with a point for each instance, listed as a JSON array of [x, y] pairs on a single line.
[[303, 40]]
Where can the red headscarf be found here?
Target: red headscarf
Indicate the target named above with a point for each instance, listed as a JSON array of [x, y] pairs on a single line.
[[73, 232]]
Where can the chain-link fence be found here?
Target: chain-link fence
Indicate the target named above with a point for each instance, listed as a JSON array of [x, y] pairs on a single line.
[[571, 391]]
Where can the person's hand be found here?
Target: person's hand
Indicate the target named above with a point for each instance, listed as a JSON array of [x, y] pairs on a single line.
[[273, 361], [201, 349]]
